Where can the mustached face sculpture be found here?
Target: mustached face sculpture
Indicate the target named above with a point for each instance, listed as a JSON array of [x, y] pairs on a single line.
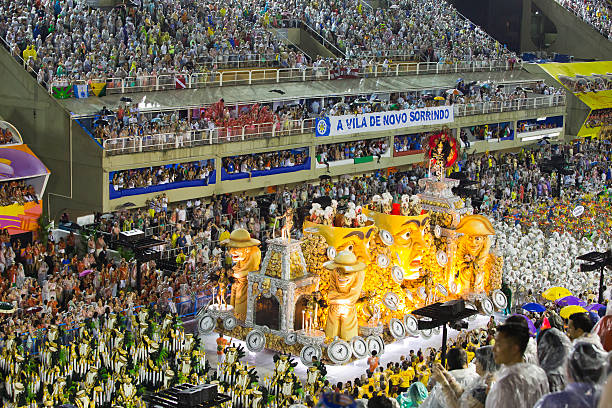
[[408, 238], [357, 240]]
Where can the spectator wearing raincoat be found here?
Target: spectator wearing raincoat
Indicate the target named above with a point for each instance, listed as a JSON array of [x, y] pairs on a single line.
[[586, 371], [553, 348], [517, 384]]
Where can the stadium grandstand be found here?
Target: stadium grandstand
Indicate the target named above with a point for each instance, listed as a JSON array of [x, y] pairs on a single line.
[[300, 203]]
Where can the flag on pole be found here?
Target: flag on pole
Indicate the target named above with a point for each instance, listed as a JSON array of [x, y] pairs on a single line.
[[80, 91], [179, 82], [98, 88], [62, 92]]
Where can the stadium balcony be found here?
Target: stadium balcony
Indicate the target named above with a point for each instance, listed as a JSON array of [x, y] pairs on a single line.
[[56, 130]]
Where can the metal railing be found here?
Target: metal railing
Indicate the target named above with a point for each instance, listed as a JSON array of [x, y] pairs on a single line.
[[166, 141], [187, 80], [480, 108]]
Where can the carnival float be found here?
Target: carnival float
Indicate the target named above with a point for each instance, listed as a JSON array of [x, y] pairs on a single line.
[[348, 287]]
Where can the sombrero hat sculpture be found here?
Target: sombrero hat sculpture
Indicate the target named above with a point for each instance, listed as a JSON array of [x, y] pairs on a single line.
[[240, 238], [346, 261], [475, 225]]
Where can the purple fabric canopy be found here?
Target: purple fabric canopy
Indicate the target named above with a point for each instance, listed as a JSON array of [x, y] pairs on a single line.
[[570, 301], [532, 328], [594, 307]]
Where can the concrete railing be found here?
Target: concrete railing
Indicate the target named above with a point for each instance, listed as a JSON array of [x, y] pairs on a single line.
[[192, 138], [186, 80]]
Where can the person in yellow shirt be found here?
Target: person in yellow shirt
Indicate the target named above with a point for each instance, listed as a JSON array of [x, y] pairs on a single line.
[[180, 258], [389, 371], [422, 371], [396, 380], [470, 353], [224, 235], [406, 375]]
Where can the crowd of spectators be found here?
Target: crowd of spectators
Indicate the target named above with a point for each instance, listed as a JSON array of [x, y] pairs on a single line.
[[509, 178], [16, 192], [599, 117], [153, 176], [6, 136], [400, 31], [500, 365], [76, 277], [351, 150], [530, 125], [178, 127], [595, 12], [405, 143], [248, 163], [69, 40], [487, 132]]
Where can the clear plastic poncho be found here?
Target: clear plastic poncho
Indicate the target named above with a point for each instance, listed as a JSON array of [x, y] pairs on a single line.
[[436, 398], [553, 349], [586, 370], [519, 385]]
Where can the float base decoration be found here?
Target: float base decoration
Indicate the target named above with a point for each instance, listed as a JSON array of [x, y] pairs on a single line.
[[275, 291]]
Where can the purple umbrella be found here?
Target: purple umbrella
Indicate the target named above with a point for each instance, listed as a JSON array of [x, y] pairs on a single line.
[[532, 328], [594, 307], [85, 272], [570, 301]]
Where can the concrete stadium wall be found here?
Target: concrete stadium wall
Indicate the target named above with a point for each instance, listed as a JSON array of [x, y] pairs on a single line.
[[260, 184], [574, 36], [73, 158]]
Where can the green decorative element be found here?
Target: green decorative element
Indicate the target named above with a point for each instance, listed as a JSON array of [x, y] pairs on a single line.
[[62, 92], [365, 159]]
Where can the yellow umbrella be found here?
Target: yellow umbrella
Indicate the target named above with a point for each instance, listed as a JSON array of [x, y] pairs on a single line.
[[439, 98], [555, 293], [567, 311]]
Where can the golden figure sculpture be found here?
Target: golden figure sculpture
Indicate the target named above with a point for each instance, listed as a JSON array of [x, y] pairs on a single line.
[[348, 275], [247, 257], [473, 260]]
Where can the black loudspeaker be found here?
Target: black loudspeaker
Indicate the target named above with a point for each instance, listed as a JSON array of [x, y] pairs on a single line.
[[453, 307], [196, 395], [209, 392]]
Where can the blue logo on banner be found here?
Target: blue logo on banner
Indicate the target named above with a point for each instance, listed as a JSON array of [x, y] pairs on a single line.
[[322, 127]]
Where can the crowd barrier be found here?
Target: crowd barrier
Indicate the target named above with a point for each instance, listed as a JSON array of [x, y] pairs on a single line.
[[225, 176], [212, 177]]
